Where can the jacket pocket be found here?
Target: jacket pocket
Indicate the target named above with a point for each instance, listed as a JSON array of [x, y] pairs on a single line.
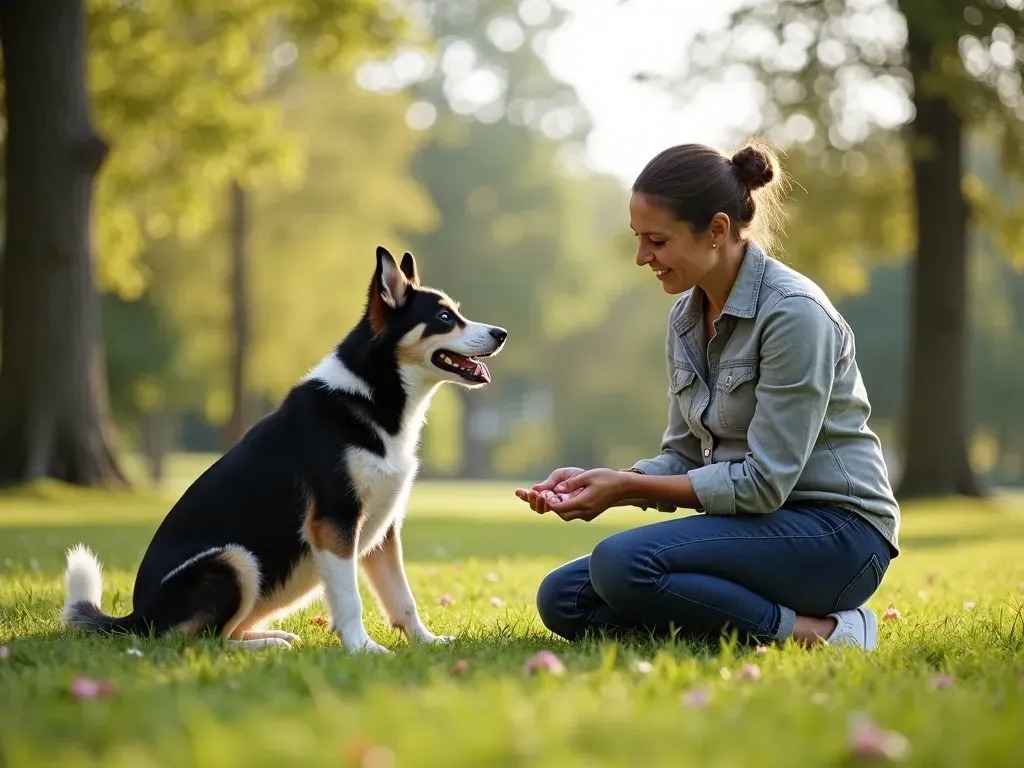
[[681, 386], [736, 398]]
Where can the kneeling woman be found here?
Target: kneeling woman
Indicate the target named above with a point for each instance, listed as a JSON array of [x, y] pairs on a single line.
[[767, 439]]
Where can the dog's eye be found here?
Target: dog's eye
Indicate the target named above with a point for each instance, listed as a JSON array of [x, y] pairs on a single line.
[[444, 316]]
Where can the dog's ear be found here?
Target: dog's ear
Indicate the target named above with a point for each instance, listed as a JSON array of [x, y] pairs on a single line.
[[388, 290], [409, 268]]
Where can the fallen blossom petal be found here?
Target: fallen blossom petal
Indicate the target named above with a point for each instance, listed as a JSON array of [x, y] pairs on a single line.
[[697, 698], [968, 605], [644, 667], [445, 600], [137, 653], [85, 688], [497, 602], [460, 667], [750, 672], [491, 577], [368, 755], [868, 740], [5, 653], [761, 650], [942, 681], [320, 621], [891, 613], [544, 661]]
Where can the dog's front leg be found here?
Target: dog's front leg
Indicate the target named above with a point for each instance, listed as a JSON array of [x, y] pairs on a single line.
[[386, 574], [334, 548]]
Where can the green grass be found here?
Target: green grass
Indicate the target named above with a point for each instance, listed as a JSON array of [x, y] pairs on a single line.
[[196, 703]]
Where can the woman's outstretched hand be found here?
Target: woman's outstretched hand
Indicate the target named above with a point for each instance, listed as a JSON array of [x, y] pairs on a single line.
[[538, 496], [574, 494]]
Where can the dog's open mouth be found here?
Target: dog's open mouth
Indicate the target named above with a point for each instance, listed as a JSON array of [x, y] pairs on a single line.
[[465, 367]]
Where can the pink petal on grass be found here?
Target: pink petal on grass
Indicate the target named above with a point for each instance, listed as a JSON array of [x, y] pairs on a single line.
[[697, 698], [868, 740], [445, 600], [761, 650], [365, 754], [5, 653], [891, 613], [460, 667], [942, 681], [644, 667], [544, 661], [84, 688], [968, 605], [497, 602], [751, 672]]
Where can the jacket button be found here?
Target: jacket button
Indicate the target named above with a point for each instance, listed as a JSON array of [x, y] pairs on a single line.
[[728, 380], [707, 451]]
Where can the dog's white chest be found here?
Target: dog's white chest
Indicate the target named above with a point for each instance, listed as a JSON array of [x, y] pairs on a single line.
[[383, 484]]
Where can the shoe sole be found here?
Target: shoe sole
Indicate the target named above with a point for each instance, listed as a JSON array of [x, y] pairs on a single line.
[[870, 630]]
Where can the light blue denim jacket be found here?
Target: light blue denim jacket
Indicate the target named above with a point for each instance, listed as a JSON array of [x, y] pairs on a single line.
[[773, 410]]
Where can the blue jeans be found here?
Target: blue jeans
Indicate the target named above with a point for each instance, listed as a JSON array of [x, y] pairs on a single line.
[[701, 575]]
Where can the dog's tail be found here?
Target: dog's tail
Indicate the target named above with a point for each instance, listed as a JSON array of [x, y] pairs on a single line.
[[83, 581]]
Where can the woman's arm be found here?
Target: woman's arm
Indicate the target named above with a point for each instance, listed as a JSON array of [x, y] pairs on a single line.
[[801, 348]]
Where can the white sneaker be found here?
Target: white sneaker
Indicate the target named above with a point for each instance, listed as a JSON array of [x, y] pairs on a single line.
[[857, 627]]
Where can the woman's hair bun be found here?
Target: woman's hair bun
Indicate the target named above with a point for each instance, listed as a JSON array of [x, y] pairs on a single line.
[[755, 166]]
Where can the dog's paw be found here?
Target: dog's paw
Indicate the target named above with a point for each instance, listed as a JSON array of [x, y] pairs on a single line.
[[266, 634], [438, 640], [369, 646], [263, 642]]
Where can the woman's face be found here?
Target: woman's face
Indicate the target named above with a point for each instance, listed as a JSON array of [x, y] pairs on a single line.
[[678, 257]]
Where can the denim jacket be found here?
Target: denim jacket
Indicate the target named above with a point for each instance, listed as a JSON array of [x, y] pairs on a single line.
[[773, 410]]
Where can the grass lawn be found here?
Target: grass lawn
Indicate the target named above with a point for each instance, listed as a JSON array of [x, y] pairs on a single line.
[[948, 676]]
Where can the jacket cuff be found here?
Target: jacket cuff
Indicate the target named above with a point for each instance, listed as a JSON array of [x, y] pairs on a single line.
[[714, 489]]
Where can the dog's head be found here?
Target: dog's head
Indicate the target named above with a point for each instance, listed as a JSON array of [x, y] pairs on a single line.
[[429, 332]]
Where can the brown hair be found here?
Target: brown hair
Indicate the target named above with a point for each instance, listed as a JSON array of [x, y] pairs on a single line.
[[695, 181]]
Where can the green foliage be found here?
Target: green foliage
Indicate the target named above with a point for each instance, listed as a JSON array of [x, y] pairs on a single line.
[[180, 90], [311, 247], [195, 702]]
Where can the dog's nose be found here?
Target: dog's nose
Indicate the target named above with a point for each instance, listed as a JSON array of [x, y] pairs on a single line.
[[499, 334]]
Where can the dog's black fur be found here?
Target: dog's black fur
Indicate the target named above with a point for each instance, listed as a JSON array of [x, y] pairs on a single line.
[[241, 544]]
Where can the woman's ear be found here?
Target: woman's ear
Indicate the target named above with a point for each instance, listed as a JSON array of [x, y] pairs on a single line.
[[721, 228]]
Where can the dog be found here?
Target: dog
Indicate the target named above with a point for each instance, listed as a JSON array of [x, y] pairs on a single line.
[[314, 490]]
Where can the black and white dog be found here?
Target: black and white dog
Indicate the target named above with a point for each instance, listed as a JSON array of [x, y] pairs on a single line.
[[313, 491]]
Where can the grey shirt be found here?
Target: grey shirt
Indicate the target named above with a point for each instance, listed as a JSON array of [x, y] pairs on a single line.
[[773, 410]]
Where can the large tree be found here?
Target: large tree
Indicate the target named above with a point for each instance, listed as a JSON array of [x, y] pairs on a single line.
[[52, 389], [172, 81], [948, 69]]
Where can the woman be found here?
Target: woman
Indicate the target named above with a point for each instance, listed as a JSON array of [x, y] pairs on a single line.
[[767, 438]]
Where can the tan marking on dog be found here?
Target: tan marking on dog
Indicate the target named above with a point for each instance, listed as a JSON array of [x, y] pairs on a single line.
[[301, 587], [324, 535], [247, 574]]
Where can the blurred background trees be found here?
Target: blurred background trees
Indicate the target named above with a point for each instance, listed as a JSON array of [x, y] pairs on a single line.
[[259, 151]]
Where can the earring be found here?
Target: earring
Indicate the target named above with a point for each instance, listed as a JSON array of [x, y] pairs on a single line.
[[714, 245]]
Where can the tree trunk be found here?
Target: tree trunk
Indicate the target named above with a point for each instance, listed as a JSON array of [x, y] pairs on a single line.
[[238, 287], [156, 433], [53, 395], [936, 461]]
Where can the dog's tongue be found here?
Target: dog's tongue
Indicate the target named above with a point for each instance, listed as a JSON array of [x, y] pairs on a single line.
[[482, 373]]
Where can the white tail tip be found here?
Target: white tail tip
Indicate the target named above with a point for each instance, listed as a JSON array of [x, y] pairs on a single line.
[[83, 578]]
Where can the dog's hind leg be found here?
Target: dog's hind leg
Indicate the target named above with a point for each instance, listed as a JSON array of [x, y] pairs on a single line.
[[386, 573], [212, 592]]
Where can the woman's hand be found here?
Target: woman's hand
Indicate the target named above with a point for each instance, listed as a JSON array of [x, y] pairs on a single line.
[[537, 497], [586, 495]]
